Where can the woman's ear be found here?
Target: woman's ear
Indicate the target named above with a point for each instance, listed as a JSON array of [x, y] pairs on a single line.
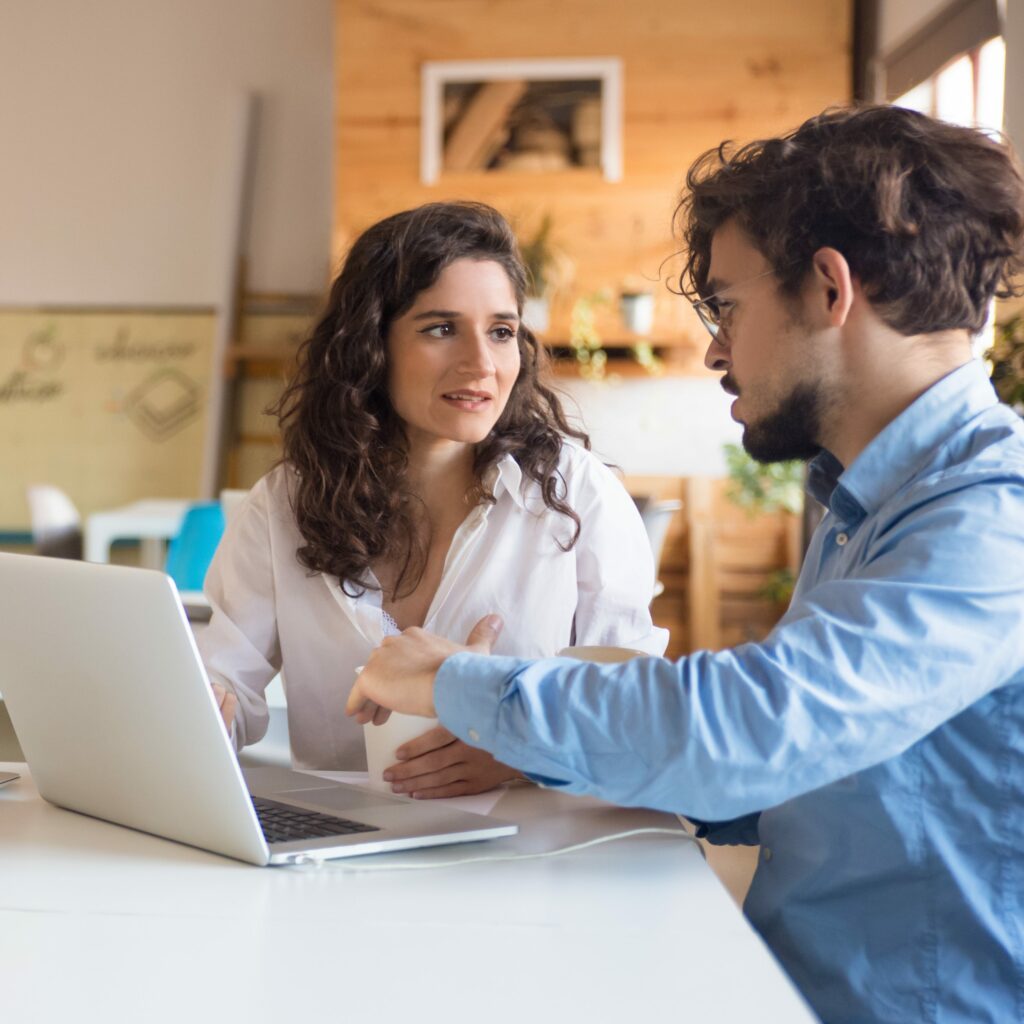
[[832, 284]]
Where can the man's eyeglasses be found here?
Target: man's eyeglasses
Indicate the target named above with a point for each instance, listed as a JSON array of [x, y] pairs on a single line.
[[714, 311]]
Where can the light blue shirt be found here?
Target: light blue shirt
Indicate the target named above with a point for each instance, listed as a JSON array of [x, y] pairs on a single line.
[[879, 729]]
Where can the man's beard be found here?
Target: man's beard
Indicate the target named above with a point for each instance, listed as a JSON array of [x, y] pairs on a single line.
[[791, 431]]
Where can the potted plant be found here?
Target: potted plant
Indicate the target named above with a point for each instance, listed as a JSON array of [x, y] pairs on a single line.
[[636, 307], [1006, 358], [538, 256], [585, 339], [636, 311]]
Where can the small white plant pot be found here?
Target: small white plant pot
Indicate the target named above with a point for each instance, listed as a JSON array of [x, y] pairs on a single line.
[[637, 312]]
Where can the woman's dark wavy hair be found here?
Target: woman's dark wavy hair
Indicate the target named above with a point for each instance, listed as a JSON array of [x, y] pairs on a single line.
[[341, 434], [929, 215]]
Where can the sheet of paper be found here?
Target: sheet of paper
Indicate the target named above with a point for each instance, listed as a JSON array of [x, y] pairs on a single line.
[[478, 803]]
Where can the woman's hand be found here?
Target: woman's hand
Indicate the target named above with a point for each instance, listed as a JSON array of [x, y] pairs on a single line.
[[437, 764], [227, 702]]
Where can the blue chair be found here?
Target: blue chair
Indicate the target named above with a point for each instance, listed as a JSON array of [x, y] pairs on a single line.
[[191, 551]]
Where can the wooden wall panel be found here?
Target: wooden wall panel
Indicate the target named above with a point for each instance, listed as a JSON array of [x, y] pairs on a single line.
[[693, 74]]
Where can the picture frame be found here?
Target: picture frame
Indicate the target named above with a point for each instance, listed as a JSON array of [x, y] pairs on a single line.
[[477, 114]]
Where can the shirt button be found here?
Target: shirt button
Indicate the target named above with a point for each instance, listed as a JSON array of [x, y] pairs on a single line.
[[841, 538], [474, 735], [766, 853]]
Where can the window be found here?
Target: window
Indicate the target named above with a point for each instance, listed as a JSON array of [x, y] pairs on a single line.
[[968, 90]]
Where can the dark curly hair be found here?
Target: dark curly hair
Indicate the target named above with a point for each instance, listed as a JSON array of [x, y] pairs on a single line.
[[929, 215], [341, 433]]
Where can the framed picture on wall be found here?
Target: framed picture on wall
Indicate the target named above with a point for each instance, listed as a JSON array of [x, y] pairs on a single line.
[[527, 116]]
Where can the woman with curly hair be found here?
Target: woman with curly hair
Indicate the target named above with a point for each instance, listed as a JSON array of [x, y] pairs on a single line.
[[428, 477]]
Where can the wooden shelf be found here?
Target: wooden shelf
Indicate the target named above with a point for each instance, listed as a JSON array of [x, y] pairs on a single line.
[[569, 369], [625, 340], [677, 361], [270, 361]]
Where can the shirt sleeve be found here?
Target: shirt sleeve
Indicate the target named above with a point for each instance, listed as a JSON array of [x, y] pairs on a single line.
[[861, 668], [240, 646], [615, 571]]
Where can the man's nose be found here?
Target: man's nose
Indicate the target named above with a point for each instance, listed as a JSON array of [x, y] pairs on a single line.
[[717, 356]]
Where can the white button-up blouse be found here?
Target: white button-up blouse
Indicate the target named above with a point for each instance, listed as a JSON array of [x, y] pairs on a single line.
[[271, 614]]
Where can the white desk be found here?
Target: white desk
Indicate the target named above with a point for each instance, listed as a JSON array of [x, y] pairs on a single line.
[[99, 923], [153, 522]]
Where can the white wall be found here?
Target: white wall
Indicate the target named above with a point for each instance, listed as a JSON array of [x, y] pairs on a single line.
[[669, 426], [898, 20], [117, 126]]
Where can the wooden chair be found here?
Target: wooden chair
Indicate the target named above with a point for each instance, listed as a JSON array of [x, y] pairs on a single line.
[[715, 563], [733, 557]]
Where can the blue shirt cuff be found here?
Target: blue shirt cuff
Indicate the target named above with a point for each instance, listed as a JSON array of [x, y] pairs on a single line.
[[468, 691]]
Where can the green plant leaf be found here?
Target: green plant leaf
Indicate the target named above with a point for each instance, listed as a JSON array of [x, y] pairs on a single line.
[[1006, 359], [763, 487]]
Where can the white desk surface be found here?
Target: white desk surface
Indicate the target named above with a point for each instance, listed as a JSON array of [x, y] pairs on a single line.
[[100, 923]]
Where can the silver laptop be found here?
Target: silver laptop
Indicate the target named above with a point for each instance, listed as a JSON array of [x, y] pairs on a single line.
[[115, 715]]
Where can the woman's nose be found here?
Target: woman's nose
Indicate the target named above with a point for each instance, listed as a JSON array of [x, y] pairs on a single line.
[[477, 357]]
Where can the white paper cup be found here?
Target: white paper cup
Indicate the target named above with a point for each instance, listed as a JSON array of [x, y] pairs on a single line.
[[603, 655], [383, 740]]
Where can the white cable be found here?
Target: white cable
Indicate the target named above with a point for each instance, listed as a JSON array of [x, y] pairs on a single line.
[[345, 865]]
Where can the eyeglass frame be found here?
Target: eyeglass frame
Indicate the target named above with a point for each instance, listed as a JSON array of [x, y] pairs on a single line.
[[700, 306]]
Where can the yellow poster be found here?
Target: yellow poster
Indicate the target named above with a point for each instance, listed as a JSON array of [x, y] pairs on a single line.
[[108, 406]]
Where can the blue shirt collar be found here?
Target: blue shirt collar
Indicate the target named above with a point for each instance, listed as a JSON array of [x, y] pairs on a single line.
[[897, 453]]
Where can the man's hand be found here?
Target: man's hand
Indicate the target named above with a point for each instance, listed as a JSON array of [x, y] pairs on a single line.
[[399, 675], [227, 702], [437, 764]]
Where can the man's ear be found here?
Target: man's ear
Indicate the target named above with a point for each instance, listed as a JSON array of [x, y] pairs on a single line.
[[831, 286]]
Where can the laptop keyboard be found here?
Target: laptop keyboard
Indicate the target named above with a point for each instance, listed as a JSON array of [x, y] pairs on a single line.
[[284, 823]]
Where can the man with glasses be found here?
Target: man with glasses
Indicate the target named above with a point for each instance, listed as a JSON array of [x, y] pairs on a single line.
[[873, 743]]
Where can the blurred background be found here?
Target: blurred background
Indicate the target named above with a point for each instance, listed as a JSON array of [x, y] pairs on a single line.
[[181, 178]]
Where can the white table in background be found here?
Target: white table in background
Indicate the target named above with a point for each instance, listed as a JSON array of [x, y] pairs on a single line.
[[99, 923], [152, 521]]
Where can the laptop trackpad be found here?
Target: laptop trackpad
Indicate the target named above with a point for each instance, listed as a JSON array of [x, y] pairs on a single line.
[[285, 784], [337, 798]]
